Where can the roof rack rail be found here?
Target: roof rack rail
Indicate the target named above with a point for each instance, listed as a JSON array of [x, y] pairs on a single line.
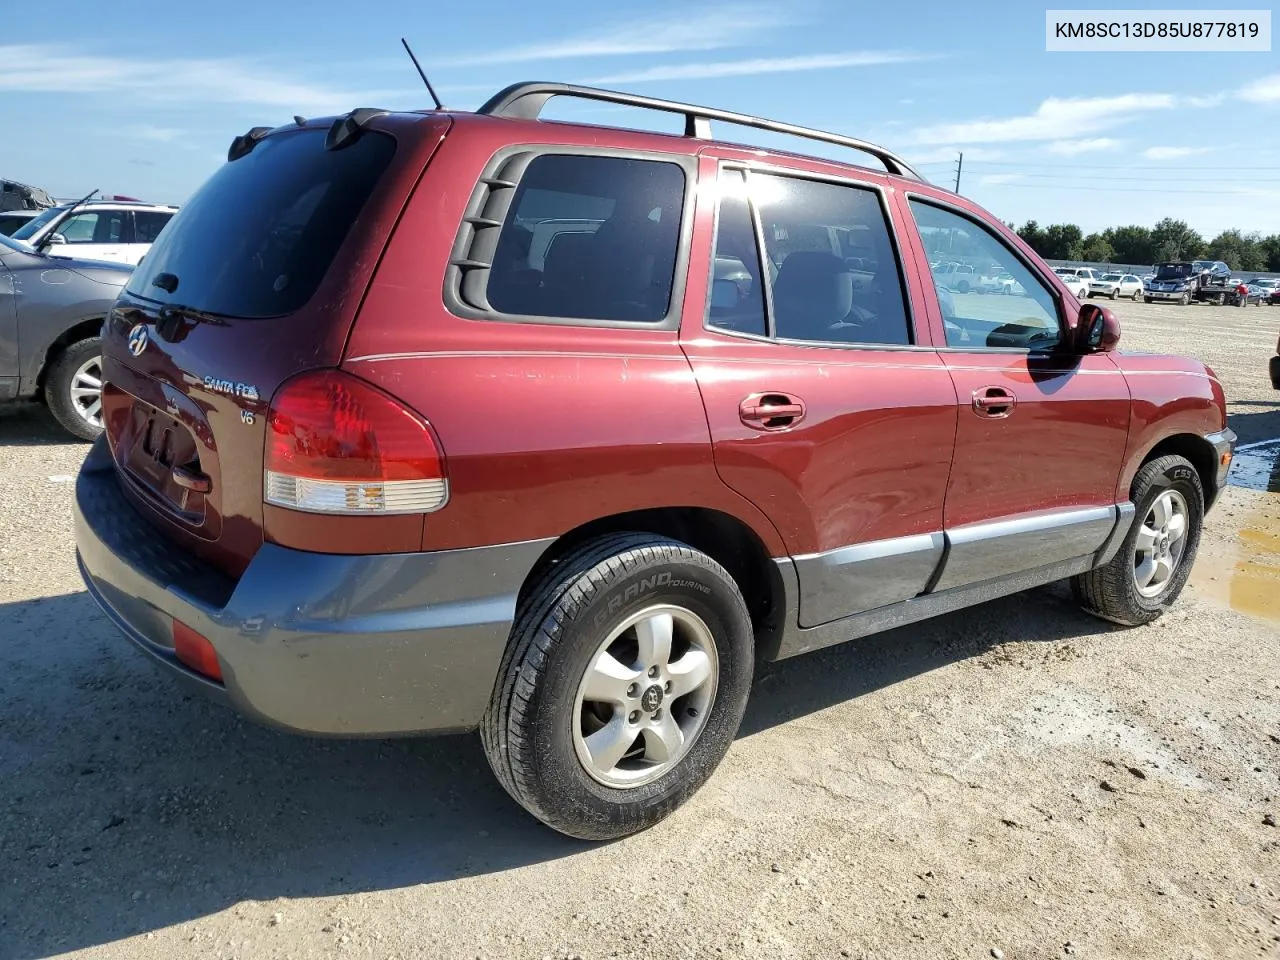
[[526, 101]]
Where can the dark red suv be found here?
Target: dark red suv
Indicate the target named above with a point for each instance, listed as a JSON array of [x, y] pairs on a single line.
[[434, 421]]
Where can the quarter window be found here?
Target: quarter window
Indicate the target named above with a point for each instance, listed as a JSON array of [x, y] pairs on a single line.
[[590, 237], [989, 298], [737, 291], [147, 225]]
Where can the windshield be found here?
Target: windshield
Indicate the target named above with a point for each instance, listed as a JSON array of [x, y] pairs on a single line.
[[260, 235], [1111, 276], [33, 226], [1173, 271]]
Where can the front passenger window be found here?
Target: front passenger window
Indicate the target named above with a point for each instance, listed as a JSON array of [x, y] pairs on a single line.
[[996, 301]]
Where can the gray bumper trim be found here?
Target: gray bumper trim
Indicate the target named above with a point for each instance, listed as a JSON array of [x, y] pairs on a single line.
[[316, 643]]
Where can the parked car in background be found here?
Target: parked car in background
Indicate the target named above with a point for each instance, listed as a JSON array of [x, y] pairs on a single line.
[[368, 471], [13, 220], [1249, 291], [1115, 285], [115, 230], [51, 312], [1270, 288], [1075, 281]]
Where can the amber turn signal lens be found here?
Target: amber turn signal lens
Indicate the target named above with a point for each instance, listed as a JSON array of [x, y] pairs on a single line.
[[1226, 458], [196, 651]]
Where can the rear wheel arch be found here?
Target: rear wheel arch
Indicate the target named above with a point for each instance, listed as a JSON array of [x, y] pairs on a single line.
[[85, 329], [724, 538]]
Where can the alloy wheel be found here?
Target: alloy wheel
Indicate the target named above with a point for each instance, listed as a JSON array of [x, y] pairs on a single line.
[[86, 391], [1162, 540], [645, 696]]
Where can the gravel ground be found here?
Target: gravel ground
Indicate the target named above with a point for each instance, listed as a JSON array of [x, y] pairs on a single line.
[[1016, 780]]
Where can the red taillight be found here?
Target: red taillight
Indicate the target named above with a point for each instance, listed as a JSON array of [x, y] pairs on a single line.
[[196, 651], [336, 444]]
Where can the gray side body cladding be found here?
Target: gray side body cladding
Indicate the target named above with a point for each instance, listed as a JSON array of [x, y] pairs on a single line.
[[978, 563]]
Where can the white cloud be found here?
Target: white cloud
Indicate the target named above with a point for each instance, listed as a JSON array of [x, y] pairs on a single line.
[[1211, 100], [59, 68], [762, 65], [727, 25], [146, 131], [1262, 90], [1173, 153], [1053, 118], [1072, 148], [995, 179]]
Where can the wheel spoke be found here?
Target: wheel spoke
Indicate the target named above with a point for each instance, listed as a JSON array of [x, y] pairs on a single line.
[[663, 740], [1160, 510], [608, 680], [1145, 572], [689, 673], [1177, 526], [84, 377], [1164, 570], [1146, 539], [608, 745], [654, 636], [81, 393], [94, 409]]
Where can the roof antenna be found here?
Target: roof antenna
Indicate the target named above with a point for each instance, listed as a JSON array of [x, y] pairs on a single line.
[[422, 74]]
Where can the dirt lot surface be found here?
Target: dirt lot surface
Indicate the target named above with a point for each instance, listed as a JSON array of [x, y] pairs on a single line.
[[1017, 780]]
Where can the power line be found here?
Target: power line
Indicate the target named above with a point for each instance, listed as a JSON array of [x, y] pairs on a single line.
[[1062, 186]]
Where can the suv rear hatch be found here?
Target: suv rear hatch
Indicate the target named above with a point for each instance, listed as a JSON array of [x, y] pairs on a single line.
[[257, 278]]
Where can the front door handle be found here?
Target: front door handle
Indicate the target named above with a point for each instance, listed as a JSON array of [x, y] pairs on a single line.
[[771, 411], [994, 402]]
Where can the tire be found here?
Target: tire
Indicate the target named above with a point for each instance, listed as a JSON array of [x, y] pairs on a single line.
[[1146, 299], [1137, 295], [1186, 299], [64, 385], [1222, 299], [1115, 294], [1112, 591], [534, 731], [962, 286]]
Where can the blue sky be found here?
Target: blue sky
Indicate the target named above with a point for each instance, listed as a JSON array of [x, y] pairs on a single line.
[[142, 98]]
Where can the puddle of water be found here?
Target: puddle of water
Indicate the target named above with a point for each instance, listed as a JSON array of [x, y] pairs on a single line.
[[1247, 577], [1257, 468]]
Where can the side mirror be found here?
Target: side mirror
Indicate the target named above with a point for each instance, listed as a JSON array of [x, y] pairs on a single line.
[[55, 238], [1097, 330]]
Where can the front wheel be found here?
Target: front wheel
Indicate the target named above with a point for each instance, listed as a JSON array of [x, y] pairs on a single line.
[[1115, 294], [1186, 299], [1137, 295], [73, 388], [623, 685], [1151, 567]]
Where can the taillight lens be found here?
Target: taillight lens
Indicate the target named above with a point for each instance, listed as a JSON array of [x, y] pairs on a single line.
[[336, 444], [195, 650]]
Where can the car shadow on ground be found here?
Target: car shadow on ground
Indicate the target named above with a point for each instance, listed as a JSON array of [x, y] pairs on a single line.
[[30, 424], [129, 807], [1255, 426]]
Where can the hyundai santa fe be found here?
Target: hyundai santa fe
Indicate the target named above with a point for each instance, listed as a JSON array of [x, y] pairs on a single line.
[[445, 421]]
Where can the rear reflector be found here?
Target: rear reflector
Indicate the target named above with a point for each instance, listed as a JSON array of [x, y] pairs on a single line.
[[336, 444], [196, 651]]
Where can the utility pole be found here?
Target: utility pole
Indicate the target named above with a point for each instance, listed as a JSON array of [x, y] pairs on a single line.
[[959, 167]]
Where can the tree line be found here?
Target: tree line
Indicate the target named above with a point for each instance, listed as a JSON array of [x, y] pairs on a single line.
[[1168, 240]]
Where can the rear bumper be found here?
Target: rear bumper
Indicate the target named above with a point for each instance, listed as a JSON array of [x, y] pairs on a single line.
[[314, 643]]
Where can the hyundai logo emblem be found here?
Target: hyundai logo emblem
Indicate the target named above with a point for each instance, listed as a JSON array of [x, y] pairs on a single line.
[[138, 339]]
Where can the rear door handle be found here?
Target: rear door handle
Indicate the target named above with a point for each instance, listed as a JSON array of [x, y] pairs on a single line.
[[771, 411], [993, 402]]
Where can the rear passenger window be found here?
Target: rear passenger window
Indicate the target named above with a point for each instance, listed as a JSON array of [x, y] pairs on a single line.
[[590, 238], [828, 263], [834, 273]]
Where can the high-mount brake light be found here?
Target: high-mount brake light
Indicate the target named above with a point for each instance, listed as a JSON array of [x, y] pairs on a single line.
[[336, 444]]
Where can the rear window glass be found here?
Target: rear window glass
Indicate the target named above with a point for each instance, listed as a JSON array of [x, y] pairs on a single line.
[[258, 237]]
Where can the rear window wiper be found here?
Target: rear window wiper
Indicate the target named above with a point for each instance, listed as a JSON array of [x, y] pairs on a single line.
[[176, 321]]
